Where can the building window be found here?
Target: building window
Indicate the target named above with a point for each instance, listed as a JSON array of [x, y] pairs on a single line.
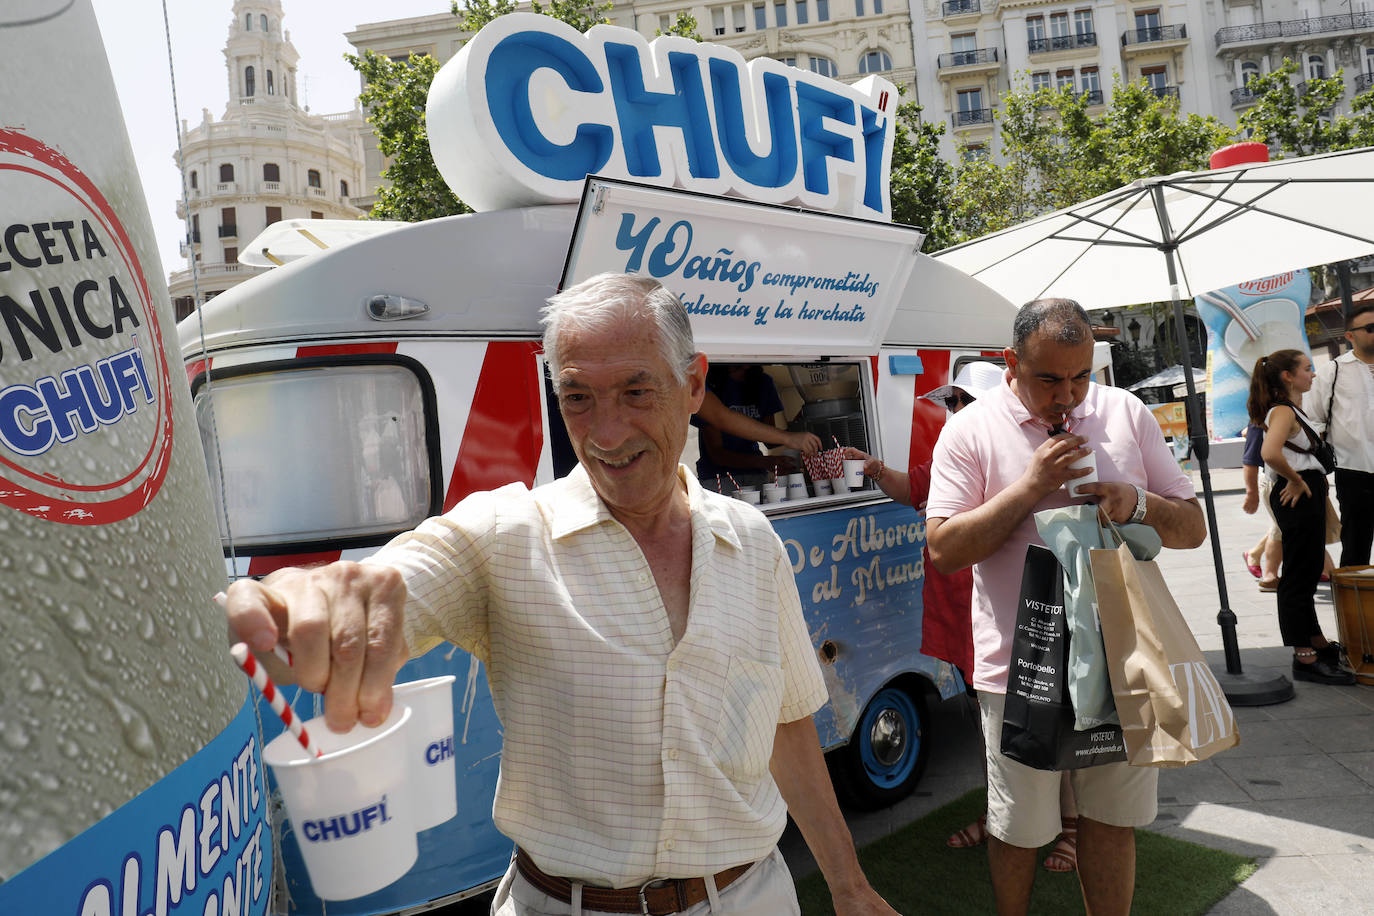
[[823, 65], [195, 179], [1059, 25], [1083, 22], [760, 16], [1089, 80], [248, 82], [248, 23], [1157, 78], [789, 61], [1316, 67], [262, 21], [316, 214], [270, 172], [1063, 78], [1035, 28], [312, 178], [822, 10], [226, 173], [974, 152], [718, 20], [802, 16], [877, 7], [1040, 80], [271, 89], [1369, 60], [228, 223], [875, 62], [1147, 23], [779, 14], [1249, 70], [231, 255], [858, 7], [273, 215], [195, 227], [343, 188], [737, 15], [970, 106]]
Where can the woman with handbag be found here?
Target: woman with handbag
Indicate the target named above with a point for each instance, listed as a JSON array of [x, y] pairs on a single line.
[[1296, 463]]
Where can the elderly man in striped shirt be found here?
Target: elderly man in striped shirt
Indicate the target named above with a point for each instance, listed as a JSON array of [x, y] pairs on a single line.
[[644, 644]]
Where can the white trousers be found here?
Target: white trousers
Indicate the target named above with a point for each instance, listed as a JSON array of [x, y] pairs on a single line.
[[764, 890]]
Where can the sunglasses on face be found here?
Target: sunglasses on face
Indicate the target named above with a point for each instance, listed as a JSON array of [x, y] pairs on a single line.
[[955, 401], [1367, 328]]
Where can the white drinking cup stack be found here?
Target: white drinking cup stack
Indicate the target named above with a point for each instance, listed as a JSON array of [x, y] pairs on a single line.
[[750, 495], [796, 486], [854, 473], [431, 747], [774, 493], [821, 486], [353, 809]]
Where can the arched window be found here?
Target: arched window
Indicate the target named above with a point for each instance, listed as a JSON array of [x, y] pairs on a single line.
[[824, 66], [248, 82], [270, 172], [248, 23], [262, 21], [1249, 70], [226, 172], [1316, 67], [875, 62], [194, 179], [343, 188], [270, 89], [312, 178]]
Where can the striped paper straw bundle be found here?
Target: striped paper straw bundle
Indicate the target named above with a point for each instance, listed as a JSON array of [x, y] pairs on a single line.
[[245, 660]]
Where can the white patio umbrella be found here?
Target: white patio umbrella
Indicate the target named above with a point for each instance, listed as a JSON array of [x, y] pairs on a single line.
[[1177, 236]]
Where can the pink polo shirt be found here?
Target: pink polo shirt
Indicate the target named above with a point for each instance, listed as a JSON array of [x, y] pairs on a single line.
[[988, 446]]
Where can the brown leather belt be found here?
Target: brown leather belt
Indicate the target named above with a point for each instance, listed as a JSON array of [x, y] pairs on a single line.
[[659, 897]]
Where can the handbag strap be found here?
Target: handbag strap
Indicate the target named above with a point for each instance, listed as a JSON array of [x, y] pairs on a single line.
[[1331, 399], [1312, 437]]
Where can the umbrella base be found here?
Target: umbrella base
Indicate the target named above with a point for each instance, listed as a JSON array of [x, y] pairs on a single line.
[[1249, 689]]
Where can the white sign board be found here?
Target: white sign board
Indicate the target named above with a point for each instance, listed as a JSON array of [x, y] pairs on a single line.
[[756, 279]]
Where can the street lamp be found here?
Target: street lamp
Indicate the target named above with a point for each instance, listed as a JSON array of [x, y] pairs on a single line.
[[1134, 329]]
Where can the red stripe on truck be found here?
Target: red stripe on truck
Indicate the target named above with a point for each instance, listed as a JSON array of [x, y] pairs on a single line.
[[261, 566], [505, 434], [351, 349], [927, 419]]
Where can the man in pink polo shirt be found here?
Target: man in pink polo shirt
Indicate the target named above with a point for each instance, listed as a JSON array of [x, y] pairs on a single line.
[[994, 467]]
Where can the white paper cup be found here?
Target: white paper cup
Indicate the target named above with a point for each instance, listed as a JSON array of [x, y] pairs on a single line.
[[431, 747], [352, 810], [1087, 461], [774, 493], [822, 487], [854, 473], [748, 494], [796, 486], [839, 485]]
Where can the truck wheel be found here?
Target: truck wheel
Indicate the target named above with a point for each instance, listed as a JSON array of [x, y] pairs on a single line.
[[887, 753]]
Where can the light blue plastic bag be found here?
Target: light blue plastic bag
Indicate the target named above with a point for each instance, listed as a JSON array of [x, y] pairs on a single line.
[[1070, 532]]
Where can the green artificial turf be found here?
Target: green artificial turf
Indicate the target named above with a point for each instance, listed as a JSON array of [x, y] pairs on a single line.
[[918, 874]]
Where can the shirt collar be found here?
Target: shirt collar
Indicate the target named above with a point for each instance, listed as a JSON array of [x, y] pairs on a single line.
[[575, 505]]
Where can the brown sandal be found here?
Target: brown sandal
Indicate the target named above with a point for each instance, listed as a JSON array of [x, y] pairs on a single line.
[[975, 834], [1064, 856]]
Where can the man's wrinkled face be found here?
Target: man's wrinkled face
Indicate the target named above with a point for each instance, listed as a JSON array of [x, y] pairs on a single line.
[[627, 417], [1051, 377]]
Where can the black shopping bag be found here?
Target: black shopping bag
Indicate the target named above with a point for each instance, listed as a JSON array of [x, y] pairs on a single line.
[[1037, 721]]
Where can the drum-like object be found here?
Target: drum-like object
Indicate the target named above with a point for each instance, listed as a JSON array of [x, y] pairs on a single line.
[[1353, 591]]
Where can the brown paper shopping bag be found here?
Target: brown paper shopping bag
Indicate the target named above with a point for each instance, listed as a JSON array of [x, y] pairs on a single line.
[[1172, 709]]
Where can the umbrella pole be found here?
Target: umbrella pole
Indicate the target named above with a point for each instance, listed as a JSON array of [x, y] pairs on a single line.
[[1241, 689]]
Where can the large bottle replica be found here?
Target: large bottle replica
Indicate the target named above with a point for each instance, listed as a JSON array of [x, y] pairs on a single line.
[[129, 774]]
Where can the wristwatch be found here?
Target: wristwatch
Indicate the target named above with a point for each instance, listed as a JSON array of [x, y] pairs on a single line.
[[1139, 514]]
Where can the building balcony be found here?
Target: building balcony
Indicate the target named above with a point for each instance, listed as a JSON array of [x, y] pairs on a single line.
[[226, 187], [1267, 32], [1062, 43], [1364, 82], [1242, 97], [193, 237], [1163, 36], [1164, 92], [967, 61], [973, 117], [316, 192], [271, 187], [1091, 96], [230, 231], [952, 8]]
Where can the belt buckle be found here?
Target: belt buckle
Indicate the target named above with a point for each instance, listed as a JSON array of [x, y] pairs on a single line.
[[644, 901]]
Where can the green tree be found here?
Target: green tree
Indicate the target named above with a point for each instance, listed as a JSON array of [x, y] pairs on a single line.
[[921, 182], [1302, 124], [394, 94], [473, 14]]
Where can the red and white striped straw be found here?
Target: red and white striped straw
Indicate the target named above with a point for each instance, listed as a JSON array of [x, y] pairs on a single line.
[[836, 440], [249, 664], [733, 482]]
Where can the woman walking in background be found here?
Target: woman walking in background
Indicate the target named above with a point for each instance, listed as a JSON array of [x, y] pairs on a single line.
[[1298, 498]]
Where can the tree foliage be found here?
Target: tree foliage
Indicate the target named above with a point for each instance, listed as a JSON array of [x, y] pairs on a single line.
[[473, 14], [1054, 153], [1305, 123], [921, 182]]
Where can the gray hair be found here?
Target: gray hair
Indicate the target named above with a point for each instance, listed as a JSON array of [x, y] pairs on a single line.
[[1062, 321], [601, 302]]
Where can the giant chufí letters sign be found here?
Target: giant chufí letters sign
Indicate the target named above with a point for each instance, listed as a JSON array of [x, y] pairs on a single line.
[[529, 107]]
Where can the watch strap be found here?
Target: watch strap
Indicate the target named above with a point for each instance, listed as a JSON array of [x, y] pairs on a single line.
[[1138, 515]]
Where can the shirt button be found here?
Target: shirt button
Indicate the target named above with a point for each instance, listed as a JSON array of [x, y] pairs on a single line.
[[672, 754], [668, 844], [672, 664], [643, 577]]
